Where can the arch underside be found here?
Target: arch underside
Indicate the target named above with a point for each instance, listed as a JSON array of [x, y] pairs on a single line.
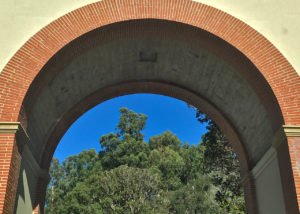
[[149, 58]]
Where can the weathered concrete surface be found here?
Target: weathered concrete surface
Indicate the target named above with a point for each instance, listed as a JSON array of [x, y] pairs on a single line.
[[156, 60]]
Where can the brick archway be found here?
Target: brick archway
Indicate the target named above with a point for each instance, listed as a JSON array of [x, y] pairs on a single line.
[[19, 73]]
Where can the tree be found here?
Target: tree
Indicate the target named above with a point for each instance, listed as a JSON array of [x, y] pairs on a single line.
[[120, 190], [162, 176], [222, 164], [78, 167], [64, 178], [127, 146], [131, 124], [167, 139], [193, 158], [195, 198], [55, 190], [170, 164]]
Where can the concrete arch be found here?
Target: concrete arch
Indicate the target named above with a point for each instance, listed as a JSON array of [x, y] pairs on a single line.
[[273, 79], [84, 47]]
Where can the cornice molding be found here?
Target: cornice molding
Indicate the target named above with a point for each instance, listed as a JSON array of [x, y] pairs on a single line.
[[15, 128], [22, 140], [284, 132], [291, 131], [279, 138], [9, 127]]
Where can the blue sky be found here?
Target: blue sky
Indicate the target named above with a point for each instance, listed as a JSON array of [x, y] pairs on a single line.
[[164, 113]]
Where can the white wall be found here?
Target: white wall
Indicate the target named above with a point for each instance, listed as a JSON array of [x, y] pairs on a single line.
[[277, 20]]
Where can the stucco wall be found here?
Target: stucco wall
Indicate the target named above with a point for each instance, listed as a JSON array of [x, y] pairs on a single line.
[[277, 20], [268, 184]]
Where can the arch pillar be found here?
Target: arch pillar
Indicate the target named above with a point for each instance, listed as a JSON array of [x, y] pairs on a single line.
[[16, 173], [277, 168], [10, 155], [287, 145]]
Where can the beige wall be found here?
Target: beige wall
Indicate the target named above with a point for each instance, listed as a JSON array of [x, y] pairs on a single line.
[[268, 184], [277, 20]]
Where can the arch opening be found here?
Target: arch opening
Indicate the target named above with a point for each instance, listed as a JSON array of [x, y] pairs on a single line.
[[158, 109], [256, 111], [89, 71]]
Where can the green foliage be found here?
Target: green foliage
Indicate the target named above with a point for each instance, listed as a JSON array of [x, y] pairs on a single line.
[[195, 197], [127, 146], [164, 140], [120, 190], [170, 164], [193, 162], [65, 177], [221, 163], [163, 176], [131, 124]]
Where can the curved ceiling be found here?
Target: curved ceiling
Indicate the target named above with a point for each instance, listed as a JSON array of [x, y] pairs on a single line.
[[154, 51]]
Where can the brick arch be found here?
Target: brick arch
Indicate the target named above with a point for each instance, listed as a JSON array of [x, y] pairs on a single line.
[[21, 70], [29, 60], [155, 29]]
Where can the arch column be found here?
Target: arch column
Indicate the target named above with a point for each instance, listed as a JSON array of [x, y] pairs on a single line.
[[279, 167], [14, 149], [10, 154], [287, 145]]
